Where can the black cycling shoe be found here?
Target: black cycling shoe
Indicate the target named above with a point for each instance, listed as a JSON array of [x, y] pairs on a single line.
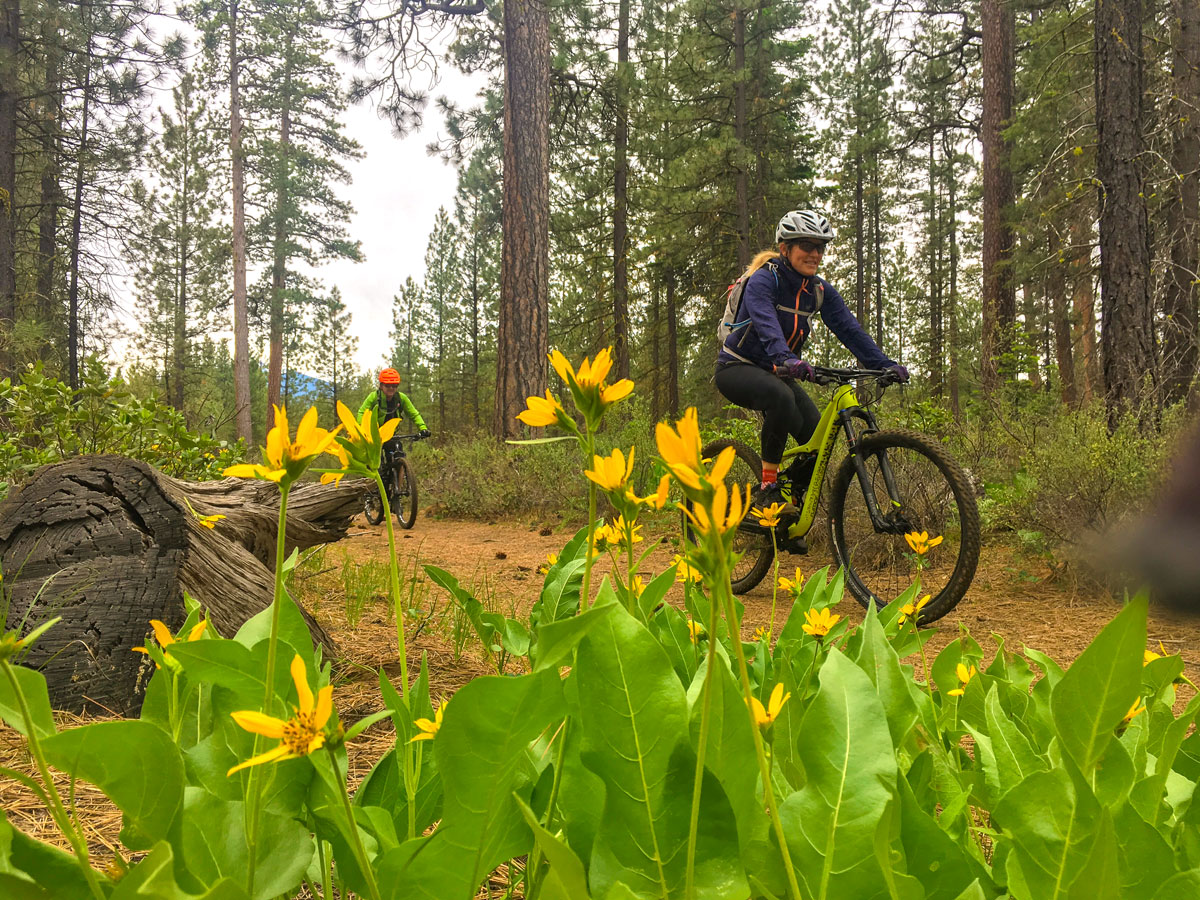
[[794, 545], [800, 470], [766, 494]]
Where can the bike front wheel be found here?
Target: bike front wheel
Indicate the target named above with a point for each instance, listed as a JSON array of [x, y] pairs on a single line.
[[372, 506], [932, 494], [754, 549], [404, 499]]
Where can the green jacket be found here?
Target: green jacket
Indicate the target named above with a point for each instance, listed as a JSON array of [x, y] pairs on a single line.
[[401, 407]]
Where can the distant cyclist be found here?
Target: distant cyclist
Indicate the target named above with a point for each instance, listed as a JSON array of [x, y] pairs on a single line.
[[760, 362], [389, 402]]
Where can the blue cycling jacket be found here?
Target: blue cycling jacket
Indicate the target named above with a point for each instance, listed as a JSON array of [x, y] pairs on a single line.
[[779, 302]]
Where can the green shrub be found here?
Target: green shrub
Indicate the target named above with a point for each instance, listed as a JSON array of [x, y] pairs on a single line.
[[46, 422]]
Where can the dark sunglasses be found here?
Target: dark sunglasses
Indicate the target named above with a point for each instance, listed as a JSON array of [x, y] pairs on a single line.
[[810, 246]]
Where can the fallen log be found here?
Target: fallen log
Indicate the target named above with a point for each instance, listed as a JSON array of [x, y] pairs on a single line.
[[110, 543]]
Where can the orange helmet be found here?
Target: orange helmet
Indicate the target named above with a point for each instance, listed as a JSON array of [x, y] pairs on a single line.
[[389, 376]]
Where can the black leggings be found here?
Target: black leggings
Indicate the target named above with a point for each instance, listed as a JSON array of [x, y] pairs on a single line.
[[786, 407]]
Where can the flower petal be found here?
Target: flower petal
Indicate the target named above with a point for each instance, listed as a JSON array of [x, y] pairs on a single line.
[[300, 678], [162, 633], [324, 705], [347, 419], [276, 753], [259, 723]]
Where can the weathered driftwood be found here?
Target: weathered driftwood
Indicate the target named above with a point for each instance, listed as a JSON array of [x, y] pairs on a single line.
[[109, 543]]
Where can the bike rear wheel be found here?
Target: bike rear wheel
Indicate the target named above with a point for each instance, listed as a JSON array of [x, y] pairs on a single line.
[[756, 552], [373, 506], [934, 496], [404, 499]]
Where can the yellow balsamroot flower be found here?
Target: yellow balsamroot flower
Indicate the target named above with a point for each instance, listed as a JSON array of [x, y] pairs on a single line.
[[658, 499], [759, 633], [285, 458], [611, 393], [210, 521], [429, 729], [620, 531], [587, 383], [1137, 709], [819, 622], [768, 517], [342, 457], [792, 584], [763, 717], [611, 473], [637, 586], [911, 609], [680, 450], [360, 432], [728, 510], [164, 638], [685, 570], [551, 559], [920, 542], [696, 631], [1149, 656], [542, 412], [964, 677], [299, 735]]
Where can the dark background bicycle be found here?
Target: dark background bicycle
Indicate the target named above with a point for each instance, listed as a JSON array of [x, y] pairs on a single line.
[[399, 480], [891, 483]]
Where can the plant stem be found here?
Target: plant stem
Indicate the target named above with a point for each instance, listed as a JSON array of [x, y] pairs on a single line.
[[254, 787], [55, 807], [705, 723], [360, 853], [394, 572], [774, 587], [759, 752], [584, 597]]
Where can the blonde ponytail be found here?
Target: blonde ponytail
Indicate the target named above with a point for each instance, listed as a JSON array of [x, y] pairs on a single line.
[[760, 260]]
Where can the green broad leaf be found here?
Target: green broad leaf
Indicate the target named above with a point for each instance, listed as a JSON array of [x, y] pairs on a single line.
[[32, 685], [1099, 688], [846, 751], [292, 629], [1145, 858], [1052, 672], [565, 878], [1147, 794], [1013, 755], [559, 598], [669, 625], [633, 715], [945, 869], [135, 764], [974, 891], [819, 592], [154, 879], [581, 792], [227, 663], [557, 640], [1049, 830], [206, 764], [482, 751], [879, 661], [215, 845], [729, 753], [1179, 885], [384, 788], [655, 593], [514, 637], [366, 722], [471, 606], [1100, 878], [31, 870]]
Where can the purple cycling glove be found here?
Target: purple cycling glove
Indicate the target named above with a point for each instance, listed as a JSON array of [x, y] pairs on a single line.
[[795, 368], [898, 372]]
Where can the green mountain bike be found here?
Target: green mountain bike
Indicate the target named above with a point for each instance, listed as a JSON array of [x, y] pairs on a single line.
[[891, 483]]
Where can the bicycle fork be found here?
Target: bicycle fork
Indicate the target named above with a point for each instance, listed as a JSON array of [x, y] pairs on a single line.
[[891, 522]]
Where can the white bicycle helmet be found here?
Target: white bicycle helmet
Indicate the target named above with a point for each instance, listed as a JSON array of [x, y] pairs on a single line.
[[804, 224]]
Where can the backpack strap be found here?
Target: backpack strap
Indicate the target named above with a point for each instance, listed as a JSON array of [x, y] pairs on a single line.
[[818, 295]]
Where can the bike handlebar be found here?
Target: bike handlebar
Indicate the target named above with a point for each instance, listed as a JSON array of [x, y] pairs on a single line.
[[823, 375]]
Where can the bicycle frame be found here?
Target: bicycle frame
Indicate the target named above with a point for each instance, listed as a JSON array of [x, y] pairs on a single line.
[[839, 415]]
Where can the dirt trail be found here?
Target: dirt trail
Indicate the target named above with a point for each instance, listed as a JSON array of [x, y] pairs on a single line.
[[1012, 596]]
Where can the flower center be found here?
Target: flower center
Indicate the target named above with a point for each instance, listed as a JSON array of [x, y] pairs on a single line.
[[298, 733]]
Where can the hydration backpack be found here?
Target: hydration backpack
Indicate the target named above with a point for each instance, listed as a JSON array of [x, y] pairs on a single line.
[[733, 306]]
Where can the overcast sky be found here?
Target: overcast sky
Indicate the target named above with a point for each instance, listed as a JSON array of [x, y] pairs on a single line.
[[396, 193]]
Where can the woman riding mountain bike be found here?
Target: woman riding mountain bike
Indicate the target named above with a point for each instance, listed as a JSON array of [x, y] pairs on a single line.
[[760, 360], [387, 403]]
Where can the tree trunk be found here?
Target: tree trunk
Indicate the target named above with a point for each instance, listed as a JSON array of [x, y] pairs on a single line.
[[109, 543], [49, 189], [1056, 287], [1183, 210], [741, 177], [672, 348], [999, 297], [1127, 340], [952, 296], [179, 348], [877, 257], [279, 261], [621, 197], [10, 30], [76, 224], [525, 256], [475, 328], [241, 321]]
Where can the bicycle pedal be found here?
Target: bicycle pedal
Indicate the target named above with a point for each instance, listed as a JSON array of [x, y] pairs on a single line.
[[795, 545]]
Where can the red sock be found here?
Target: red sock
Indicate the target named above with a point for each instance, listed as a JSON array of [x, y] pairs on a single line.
[[770, 472]]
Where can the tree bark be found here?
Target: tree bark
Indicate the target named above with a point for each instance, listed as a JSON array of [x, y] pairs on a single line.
[[1183, 210], [621, 197], [10, 30], [1126, 335], [279, 250], [1056, 287], [49, 189], [672, 348], [999, 297], [109, 543], [952, 295], [76, 225], [179, 337], [521, 366], [741, 177], [241, 321]]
